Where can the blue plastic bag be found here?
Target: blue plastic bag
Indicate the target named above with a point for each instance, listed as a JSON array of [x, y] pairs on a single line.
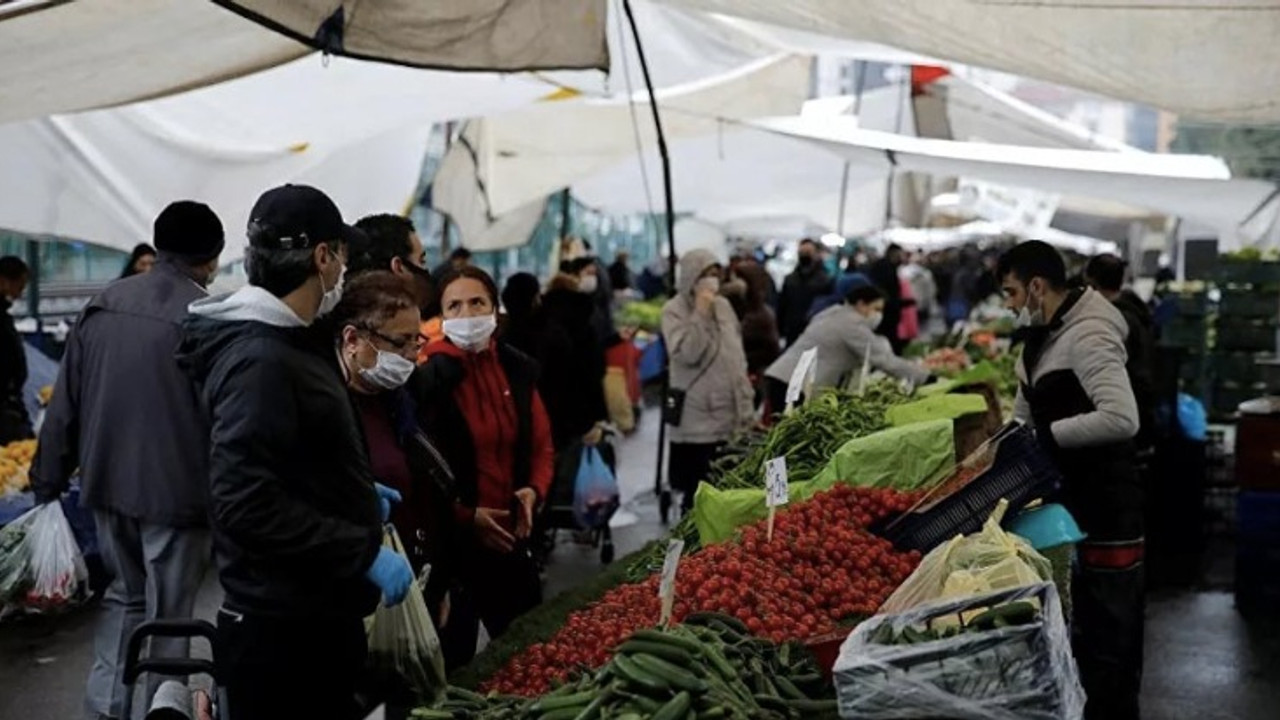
[[595, 491], [1192, 418]]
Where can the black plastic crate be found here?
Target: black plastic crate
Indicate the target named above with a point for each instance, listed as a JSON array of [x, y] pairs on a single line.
[[1226, 398], [1236, 303], [1020, 472], [1191, 304], [1186, 332], [1249, 273], [1239, 368], [1246, 336]]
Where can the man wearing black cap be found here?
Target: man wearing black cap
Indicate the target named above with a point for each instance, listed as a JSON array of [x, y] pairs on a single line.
[[126, 415], [297, 517]]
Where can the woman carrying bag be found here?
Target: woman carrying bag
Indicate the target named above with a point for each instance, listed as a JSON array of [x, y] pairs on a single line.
[[710, 396], [482, 406]]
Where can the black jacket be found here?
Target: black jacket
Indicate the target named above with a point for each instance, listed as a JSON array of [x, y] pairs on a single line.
[[15, 424], [571, 366], [124, 412], [884, 274], [799, 290], [296, 522], [1140, 346]]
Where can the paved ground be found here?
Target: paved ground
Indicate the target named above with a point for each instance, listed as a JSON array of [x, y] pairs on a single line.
[[1204, 661]]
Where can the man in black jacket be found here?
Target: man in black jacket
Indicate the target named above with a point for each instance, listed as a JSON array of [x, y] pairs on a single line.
[[15, 424], [805, 284], [1105, 273], [296, 513], [884, 273], [126, 415]]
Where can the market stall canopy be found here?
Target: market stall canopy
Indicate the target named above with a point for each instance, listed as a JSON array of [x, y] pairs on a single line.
[[1208, 60], [505, 163], [356, 129], [63, 56], [1195, 187], [495, 35]]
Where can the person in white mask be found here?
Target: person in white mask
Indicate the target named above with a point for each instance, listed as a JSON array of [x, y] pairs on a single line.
[[482, 407], [295, 509], [848, 346]]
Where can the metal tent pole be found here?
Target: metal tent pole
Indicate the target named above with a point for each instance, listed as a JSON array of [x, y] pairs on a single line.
[[663, 492]]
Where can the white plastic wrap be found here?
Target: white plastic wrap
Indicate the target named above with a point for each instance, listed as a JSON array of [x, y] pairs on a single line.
[[1019, 672], [41, 567]]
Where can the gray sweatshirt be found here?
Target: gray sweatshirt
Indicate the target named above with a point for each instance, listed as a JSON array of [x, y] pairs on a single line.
[[843, 338]]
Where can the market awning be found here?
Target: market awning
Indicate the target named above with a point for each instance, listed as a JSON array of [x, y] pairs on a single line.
[[1195, 187], [63, 56], [1209, 60]]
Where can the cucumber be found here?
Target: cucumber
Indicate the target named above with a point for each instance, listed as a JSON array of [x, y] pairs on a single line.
[[665, 651], [561, 714], [710, 618], [637, 676], [645, 704], [673, 675], [591, 711], [788, 688], [657, 636], [676, 708], [576, 700], [430, 714], [464, 694]]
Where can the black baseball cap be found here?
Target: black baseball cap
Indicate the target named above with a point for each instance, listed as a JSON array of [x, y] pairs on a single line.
[[296, 217]]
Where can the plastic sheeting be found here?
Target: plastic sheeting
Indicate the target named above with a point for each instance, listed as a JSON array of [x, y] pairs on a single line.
[[356, 129], [1213, 61], [455, 34], [1195, 187]]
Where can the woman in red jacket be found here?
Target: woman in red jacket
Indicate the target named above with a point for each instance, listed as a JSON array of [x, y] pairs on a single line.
[[481, 405]]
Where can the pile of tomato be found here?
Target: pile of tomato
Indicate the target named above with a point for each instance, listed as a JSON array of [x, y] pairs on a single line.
[[821, 568]]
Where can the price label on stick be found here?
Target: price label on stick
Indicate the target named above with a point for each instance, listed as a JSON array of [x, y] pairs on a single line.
[[775, 482], [667, 584], [802, 376]]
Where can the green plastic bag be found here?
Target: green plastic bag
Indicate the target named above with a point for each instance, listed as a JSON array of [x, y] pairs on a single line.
[[983, 372], [904, 458], [937, 407]]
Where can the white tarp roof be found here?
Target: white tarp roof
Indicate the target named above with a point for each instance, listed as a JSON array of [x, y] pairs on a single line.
[[1198, 188], [356, 129], [1210, 60], [66, 56]]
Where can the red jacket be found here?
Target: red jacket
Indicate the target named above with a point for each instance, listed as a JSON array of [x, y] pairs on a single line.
[[484, 397]]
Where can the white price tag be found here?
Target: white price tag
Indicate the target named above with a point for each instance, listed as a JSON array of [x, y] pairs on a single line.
[[775, 482], [667, 584], [802, 375]]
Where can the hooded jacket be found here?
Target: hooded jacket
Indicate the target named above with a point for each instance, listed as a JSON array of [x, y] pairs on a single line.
[[571, 376], [1074, 388], [296, 522], [706, 360], [125, 413], [844, 339]]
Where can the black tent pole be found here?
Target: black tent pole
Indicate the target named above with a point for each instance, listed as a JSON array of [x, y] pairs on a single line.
[[663, 493]]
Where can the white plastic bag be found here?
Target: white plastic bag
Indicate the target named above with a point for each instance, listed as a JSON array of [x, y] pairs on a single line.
[[991, 559], [403, 641], [41, 567]]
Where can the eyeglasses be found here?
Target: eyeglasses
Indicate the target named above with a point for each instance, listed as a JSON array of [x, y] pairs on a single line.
[[401, 343]]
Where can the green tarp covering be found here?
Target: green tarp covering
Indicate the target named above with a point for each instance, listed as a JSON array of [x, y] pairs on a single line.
[[983, 372], [905, 458], [936, 407]]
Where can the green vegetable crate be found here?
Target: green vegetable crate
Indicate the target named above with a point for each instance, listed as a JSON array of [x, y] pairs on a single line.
[[978, 656]]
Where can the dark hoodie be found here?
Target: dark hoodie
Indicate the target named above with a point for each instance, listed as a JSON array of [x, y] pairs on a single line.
[[295, 518], [1140, 346], [571, 378]]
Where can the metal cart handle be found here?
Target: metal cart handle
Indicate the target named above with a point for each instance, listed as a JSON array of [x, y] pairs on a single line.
[[135, 665]]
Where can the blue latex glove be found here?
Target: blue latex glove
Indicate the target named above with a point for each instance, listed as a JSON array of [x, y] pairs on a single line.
[[391, 573], [386, 496]]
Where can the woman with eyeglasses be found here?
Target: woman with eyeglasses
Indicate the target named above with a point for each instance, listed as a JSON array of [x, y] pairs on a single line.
[[484, 410], [377, 325]]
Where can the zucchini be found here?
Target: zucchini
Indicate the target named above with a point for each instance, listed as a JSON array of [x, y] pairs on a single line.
[[430, 714], [788, 688], [568, 713], [657, 636], [665, 651], [676, 708], [710, 618], [576, 700]]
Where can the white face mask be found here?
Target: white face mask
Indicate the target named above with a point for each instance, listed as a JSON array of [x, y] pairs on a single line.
[[389, 372], [470, 333], [588, 284], [874, 319], [1028, 317], [333, 295], [711, 284]]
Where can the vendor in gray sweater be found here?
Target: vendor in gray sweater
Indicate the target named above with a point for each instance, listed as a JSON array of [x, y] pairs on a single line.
[[846, 339]]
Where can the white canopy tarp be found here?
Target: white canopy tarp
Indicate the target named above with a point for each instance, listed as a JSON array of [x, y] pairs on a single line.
[[356, 129], [1209, 60], [496, 35], [505, 163], [1198, 188], [67, 56]]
